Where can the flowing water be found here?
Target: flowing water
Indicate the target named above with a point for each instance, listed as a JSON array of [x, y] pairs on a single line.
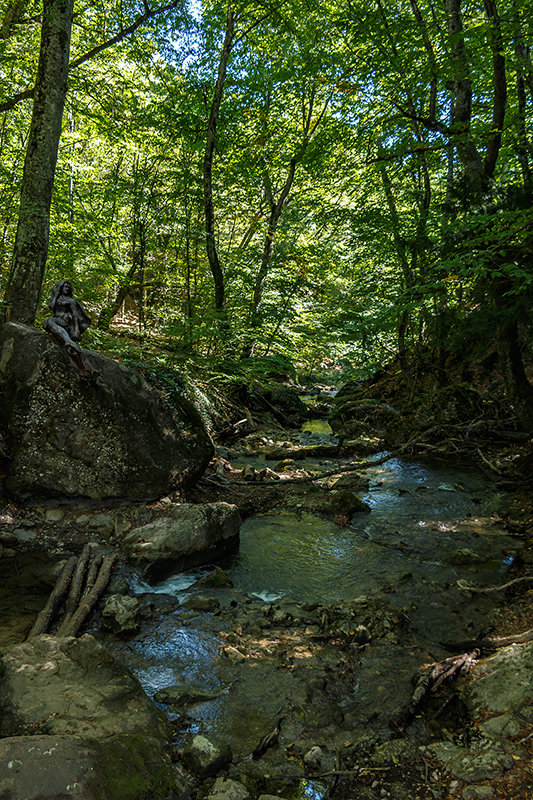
[[429, 526]]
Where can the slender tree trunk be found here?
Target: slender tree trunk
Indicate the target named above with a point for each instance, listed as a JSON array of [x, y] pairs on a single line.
[[31, 242], [462, 96], [212, 254], [499, 85], [517, 385]]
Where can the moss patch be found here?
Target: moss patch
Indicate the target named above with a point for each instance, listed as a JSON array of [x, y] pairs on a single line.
[[133, 767]]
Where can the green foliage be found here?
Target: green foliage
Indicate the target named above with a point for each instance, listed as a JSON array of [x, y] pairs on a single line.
[[382, 245]]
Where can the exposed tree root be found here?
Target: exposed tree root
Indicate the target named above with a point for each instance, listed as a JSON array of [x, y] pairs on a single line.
[[434, 677], [467, 588]]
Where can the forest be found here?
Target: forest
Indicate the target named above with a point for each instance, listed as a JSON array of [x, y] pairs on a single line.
[[265, 475]]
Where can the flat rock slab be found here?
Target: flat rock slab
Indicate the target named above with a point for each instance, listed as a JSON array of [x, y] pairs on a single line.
[[113, 436], [72, 686], [43, 767], [58, 767], [188, 536]]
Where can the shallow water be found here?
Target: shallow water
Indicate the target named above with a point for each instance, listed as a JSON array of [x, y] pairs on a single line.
[[401, 551]]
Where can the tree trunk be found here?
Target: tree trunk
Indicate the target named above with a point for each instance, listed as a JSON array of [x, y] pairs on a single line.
[[212, 254], [462, 95], [31, 242]]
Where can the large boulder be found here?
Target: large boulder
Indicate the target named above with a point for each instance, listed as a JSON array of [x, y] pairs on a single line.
[[74, 723], [111, 436], [187, 536]]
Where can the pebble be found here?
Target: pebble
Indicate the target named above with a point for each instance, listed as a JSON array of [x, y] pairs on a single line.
[[55, 515], [24, 535], [233, 654], [478, 792]]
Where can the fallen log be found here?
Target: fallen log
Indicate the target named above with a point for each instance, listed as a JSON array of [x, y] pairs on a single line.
[[70, 626], [87, 578], [55, 600], [76, 587]]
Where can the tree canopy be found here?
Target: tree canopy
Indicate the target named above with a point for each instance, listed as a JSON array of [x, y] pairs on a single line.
[[338, 182]]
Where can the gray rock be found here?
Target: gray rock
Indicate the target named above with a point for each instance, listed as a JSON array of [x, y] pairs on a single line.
[[183, 694], [226, 789], [74, 437], [72, 686], [202, 602], [234, 654], [45, 767], [205, 756], [188, 536], [55, 515], [500, 683], [465, 556], [313, 757], [215, 579], [24, 535], [121, 614], [477, 792], [117, 585], [270, 797], [345, 501], [101, 521], [501, 727], [480, 764]]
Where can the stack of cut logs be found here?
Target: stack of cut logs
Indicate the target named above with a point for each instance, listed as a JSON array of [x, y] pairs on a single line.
[[80, 585]]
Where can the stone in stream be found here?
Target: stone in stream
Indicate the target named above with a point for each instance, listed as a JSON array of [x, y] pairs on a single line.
[[181, 694], [121, 614], [346, 502], [187, 536], [226, 789], [216, 579], [202, 602], [205, 756]]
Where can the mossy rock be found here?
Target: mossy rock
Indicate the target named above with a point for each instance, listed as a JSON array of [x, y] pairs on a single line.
[[346, 502], [133, 767]]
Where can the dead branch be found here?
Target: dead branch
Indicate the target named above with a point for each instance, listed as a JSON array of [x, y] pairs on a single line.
[[71, 625], [53, 604], [467, 588], [92, 574], [503, 641], [435, 676], [76, 587]]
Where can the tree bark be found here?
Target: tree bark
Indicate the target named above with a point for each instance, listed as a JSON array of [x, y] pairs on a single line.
[[499, 83], [462, 95], [54, 601], [31, 242], [212, 254], [71, 625]]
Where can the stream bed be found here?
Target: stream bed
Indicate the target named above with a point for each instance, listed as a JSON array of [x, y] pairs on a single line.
[[326, 625]]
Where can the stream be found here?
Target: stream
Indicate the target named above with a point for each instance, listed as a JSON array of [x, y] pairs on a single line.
[[332, 621]]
